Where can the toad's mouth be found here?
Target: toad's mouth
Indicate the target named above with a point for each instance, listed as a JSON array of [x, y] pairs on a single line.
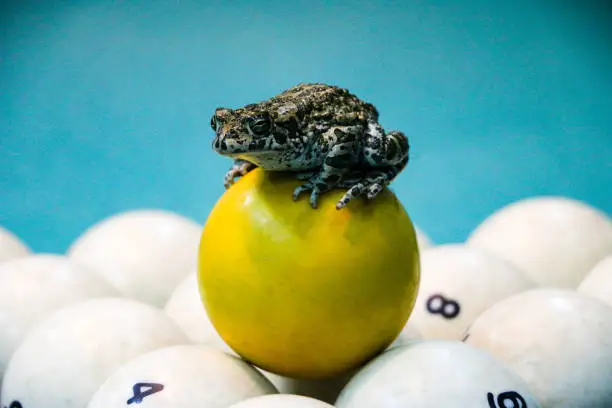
[[229, 147], [273, 161], [259, 156], [269, 158], [235, 148]]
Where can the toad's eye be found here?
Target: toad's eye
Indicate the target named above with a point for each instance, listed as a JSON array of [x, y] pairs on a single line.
[[259, 125]]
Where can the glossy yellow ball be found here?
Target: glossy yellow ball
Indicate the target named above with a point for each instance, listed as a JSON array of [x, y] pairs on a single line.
[[302, 292]]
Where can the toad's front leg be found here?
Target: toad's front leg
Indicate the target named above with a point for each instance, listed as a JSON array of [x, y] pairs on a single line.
[[240, 168], [342, 154]]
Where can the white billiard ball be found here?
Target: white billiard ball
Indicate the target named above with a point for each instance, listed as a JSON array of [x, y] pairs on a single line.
[[182, 376], [434, 374], [558, 340], [457, 284], [144, 253], [34, 286], [64, 359], [556, 241]]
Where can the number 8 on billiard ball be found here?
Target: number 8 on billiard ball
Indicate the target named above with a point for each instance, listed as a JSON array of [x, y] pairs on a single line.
[[438, 304]]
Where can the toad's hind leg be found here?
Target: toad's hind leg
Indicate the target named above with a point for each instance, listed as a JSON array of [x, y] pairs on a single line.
[[385, 149], [384, 157], [341, 147]]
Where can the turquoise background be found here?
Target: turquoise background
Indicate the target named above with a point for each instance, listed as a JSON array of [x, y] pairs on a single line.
[[105, 105]]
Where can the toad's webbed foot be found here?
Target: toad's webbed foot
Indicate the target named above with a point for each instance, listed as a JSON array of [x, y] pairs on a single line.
[[317, 185], [358, 184], [369, 189], [369, 184], [239, 169]]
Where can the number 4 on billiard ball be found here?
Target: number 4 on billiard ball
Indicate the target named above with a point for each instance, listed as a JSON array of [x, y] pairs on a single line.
[[142, 390]]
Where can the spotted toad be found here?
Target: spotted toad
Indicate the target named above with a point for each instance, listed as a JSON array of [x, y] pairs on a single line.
[[323, 133]]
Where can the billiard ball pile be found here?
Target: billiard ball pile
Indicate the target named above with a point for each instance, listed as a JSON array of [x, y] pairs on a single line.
[[517, 316]]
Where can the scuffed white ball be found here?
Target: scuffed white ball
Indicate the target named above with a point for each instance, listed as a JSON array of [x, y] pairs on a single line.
[[457, 284], [556, 241], [434, 374], [559, 341], [34, 286], [144, 253], [65, 358], [182, 376]]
